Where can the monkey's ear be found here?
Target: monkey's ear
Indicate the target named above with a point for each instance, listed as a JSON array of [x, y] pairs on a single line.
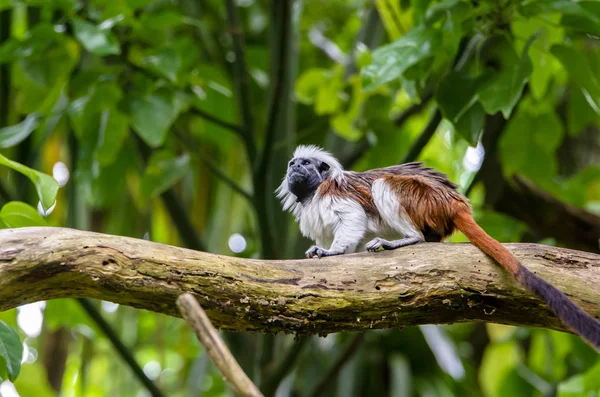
[[324, 166]]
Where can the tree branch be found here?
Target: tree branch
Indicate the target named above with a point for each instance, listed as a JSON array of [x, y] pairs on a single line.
[[423, 284], [417, 147], [338, 365], [215, 120], [123, 351], [218, 352], [240, 72], [278, 370]]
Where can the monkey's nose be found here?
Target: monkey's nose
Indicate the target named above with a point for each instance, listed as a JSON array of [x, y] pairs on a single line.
[[297, 167]]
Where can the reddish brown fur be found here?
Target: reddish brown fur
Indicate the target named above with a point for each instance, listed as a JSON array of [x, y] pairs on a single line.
[[356, 187], [466, 224], [436, 208], [427, 196]]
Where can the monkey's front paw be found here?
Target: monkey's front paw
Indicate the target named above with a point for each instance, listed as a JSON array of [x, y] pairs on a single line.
[[377, 244], [318, 252]]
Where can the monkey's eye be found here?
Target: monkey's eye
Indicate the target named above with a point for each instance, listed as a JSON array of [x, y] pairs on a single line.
[[291, 163], [305, 162]]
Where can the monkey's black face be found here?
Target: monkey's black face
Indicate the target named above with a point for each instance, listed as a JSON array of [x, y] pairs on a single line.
[[305, 175]]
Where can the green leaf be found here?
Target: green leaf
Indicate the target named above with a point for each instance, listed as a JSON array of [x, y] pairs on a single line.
[[15, 134], [581, 72], [309, 83], [94, 39], [152, 116], [579, 113], [457, 98], [18, 214], [391, 61], [113, 130], [504, 88], [545, 66], [163, 171], [527, 146], [499, 360], [165, 61], [11, 352], [45, 186], [582, 16]]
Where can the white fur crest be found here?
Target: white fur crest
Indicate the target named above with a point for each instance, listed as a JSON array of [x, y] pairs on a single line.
[[288, 199]]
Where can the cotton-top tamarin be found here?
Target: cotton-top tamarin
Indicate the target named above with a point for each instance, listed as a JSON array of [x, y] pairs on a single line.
[[392, 207]]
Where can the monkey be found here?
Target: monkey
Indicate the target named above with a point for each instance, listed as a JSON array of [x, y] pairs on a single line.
[[397, 206]]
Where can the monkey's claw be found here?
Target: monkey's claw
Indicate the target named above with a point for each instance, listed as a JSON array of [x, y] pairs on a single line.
[[318, 252], [315, 252], [376, 244]]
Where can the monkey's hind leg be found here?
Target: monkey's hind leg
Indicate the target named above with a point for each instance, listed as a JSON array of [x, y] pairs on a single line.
[[379, 243]]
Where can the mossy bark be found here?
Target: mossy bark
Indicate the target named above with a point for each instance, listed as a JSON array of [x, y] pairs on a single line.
[[422, 284]]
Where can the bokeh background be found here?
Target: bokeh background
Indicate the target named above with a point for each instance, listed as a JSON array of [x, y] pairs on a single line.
[[173, 121]]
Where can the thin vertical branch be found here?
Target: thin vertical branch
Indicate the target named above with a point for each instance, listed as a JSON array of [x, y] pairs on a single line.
[[276, 99], [5, 24], [120, 347], [424, 138], [240, 71], [278, 370], [262, 172], [333, 372]]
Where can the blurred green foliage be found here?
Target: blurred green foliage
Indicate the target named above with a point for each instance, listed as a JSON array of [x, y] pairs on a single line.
[[134, 107]]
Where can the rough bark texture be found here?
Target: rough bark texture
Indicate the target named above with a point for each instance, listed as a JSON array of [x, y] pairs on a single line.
[[423, 284]]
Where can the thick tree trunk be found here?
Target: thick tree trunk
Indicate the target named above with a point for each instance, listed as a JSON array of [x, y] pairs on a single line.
[[423, 284]]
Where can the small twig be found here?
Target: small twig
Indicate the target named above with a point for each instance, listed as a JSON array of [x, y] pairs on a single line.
[[216, 349], [226, 179], [201, 113], [120, 347], [338, 365], [351, 158], [423, 139], [215, 120], [279, 369], [240, 72], [414, 109], [193, 147]]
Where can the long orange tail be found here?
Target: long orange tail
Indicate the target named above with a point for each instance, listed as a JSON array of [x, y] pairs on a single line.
[[568, 312]]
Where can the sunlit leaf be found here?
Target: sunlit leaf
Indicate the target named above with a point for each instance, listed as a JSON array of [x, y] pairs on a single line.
[[95, 40], [309, 83], [528, 144], [545, 66], [581, 72], [392, 17], [45, 186], [390, 61], [18, 214], [11, 352], [163, 171], [582, 15], [499, 359], [14, 134], [504, 87]]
